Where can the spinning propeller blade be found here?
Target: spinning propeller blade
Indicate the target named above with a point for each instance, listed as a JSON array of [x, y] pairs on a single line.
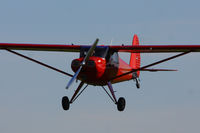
[[89, 53], [73, 78]]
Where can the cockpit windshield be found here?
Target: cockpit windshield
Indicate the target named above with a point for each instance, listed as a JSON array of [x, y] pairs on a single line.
[[99, 51]]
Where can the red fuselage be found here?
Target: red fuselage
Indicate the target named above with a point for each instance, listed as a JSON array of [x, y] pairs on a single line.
[[99, 71]]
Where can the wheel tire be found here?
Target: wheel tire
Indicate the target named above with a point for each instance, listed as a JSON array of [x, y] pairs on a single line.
[[65, 103], [121, 104], [138, 86]]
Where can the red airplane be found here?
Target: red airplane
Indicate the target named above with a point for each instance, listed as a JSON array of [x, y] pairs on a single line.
[[101, 65]]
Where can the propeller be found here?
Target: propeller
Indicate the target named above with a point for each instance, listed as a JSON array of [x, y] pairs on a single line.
[[89, 53]]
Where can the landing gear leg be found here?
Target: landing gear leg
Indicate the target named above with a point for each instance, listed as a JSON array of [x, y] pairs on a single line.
[[112, 92], [121, 103], [65, 100]]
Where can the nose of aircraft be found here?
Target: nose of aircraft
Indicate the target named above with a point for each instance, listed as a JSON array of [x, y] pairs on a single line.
[[92, 70]]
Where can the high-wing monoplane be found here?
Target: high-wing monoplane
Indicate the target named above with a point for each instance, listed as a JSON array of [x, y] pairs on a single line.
[[101, 65]]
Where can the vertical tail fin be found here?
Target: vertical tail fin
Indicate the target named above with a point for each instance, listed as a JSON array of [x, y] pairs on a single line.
[[135, 57]]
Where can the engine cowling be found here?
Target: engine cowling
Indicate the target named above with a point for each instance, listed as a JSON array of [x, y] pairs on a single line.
[[92, 71]]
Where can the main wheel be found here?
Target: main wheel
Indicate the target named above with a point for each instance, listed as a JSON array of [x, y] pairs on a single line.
[[65, 103], [121, 104]]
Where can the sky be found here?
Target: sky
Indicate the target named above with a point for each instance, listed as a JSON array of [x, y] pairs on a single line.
[[30, 95]]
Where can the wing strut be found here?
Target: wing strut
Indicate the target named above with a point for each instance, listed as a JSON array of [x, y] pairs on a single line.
[[153, 64], [38, 62]]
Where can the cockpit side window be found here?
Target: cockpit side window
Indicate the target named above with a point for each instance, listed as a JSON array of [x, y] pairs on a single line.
[[113, 57]]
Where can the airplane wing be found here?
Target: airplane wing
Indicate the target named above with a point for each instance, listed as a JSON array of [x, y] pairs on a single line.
[[76, 48], [41, 47], [156, 48]]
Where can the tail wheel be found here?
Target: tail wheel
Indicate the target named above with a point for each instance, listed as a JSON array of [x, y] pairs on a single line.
[[65, 103], [138, 86], [121, 104]]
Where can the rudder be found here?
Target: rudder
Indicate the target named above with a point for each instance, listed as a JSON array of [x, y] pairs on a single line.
[[135, 57]]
